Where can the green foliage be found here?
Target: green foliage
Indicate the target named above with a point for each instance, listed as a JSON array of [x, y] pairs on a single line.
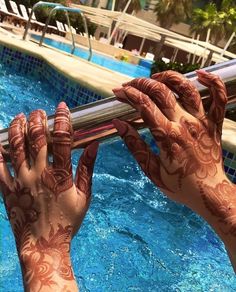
[[159, 66], [169, 12], [43, 12], [221, 22]]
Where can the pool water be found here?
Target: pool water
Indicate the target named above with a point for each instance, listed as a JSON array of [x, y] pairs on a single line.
[[133, 238], [99, 59]]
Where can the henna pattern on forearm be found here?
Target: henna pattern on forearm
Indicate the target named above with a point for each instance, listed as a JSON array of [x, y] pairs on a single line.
[[47, 258], [220, 201]]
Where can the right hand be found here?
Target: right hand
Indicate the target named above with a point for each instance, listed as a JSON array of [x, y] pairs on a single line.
[[189, 139]]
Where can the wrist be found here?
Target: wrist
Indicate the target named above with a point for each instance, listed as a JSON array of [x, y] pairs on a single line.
[[46, 263], [219, 205]]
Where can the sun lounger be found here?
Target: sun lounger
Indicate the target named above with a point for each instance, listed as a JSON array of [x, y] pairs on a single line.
[[61, 28], [34, 23], [50, 28], [16, 11], [68, 30], [9, 16]]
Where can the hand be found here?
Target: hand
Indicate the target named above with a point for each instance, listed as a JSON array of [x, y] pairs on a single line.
[[44, 205], [189, 168]]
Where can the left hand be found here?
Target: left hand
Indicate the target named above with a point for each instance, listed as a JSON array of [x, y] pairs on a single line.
[[44, 205]]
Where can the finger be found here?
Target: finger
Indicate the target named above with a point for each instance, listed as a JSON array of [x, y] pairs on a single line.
[[84, 173], [62, 139], [217, 93], [148, 161], [188, 94], [150, 113], [37, 139], [16, 137], [160, 94], [6, 179]]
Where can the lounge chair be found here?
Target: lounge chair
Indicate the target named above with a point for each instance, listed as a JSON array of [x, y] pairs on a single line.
[[68, 30], [61, 28], [9, 16], [16, 11], [50, 28], [34, 23]]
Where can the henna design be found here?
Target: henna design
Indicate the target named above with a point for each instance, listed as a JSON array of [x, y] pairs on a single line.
[[36, 134], [42, 259], [57, 180], [218, 200], [83, 178], [148, 161], [218, 95], [21, 201], [16, 138], [188, 94], [158, 92], [43, 244]]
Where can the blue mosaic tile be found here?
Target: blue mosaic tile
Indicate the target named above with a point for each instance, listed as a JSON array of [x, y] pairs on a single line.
[[65, 89]]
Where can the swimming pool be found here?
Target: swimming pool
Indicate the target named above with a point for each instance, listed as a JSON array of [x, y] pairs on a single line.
[[99, 59], [133, 238]]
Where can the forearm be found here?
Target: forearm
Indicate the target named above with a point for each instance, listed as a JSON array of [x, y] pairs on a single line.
[[217, 205], [45, 261], [47, 273]]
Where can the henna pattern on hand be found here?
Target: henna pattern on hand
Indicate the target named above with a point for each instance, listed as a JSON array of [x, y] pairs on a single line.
[[16, 136], [188, 94], [37, 135], [42, 234], [220, 202]]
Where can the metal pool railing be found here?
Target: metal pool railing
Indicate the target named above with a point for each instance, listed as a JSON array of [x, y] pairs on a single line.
[[94, 121], [59, 7]]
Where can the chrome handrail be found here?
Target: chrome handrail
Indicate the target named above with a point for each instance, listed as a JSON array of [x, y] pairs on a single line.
[[68, 9], [38, 4]]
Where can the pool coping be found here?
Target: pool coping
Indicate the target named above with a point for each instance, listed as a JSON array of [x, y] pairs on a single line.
[[101, 81]]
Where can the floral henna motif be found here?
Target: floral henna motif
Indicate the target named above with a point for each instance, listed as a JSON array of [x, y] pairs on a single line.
[[57, 180], [45, 258], [37, 135], [218, 200]]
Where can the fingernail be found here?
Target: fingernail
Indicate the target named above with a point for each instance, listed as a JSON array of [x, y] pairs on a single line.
[[62, 104], [126, 83], [120, 126], [156, 75], [119, 92], [201, 72], [21, 115], [93, 149]]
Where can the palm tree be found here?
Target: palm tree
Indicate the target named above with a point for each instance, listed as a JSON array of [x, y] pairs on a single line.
[[220, 22], [169, 12], [134, 5]]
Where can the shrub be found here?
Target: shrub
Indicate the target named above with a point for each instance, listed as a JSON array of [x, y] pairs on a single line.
[[160, 65]]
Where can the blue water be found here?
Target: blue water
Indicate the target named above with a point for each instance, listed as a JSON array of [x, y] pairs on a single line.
[[133, 238], [99, 59]]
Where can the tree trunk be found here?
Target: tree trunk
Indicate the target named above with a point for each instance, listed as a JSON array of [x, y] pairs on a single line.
[[208, 60], [158, 48]]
